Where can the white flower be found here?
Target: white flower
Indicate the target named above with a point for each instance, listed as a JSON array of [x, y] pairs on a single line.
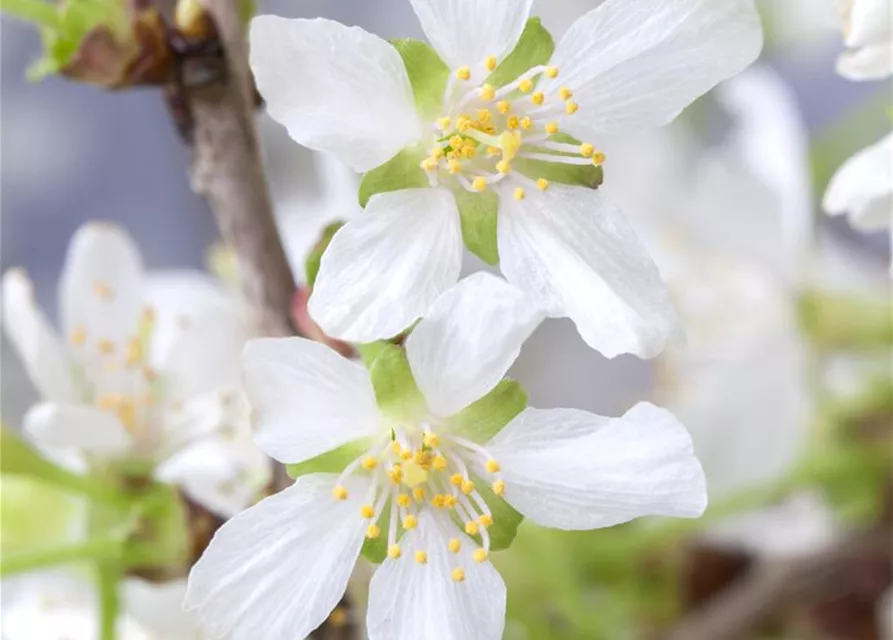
[[148, 371], [277, 570], [622, 67], [868, 34], [863, 187]]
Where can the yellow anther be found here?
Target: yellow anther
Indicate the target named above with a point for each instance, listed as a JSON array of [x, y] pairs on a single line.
[[373, 531], [463, 73], [419, 494], [439, 463], [467, 487], [429, 164], [457, 142], [464, 123], [339, 493], [551, 127], [78, 337], [551, 72], [494, 151], [458, 575], [134, 352], [490, 63], [468, 152], [498, 488], [367, 511], [421, 557], [587, 150], [538, 98], [487, 92], [105, 346], [457, 479], [406, 454], [437, 501], [437, 154], [410, 522], [395, 473], [520, 194], [571, 108], [565, 93], [503, 167], [396, 448], [444, 123], [503, 106], [103, 290], [338, 617], [526, 122], [422, 459], [484, 116], [394, 551], [454, 166], [455, 545], [542, 184], [108, 402], [431, 440], [479, 183], [599, 158], [471, 528], [525, 85], [450, 501], [486, 520], [480, 555], [513, 122], [492, 466], [403, 500], [369, 463]]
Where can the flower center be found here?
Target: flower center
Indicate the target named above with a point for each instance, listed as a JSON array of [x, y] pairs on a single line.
[[414, 470], [484, 130]]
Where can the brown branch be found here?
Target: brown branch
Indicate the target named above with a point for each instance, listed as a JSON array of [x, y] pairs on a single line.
[[227, 170], [742, 607]]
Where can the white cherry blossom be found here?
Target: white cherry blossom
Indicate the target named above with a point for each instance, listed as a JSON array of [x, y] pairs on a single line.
[[625, 66], [426, 483], [147, 371]]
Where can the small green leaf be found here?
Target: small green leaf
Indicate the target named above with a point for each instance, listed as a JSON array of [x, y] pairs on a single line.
[[329, 462], [37, 516], [584, 175], [311, 265], [478, 213], [534, 48], [505, 519], [427, 74], [400, 172], [483, 419], [395, 388]]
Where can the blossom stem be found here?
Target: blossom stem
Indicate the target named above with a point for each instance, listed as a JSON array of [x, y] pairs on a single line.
[[34, 11], [100, 549]]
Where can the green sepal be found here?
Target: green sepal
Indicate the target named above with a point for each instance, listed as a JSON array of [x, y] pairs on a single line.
[[311, 265], [505, 519], [427, 73], [161, 536], [376, 550], [846, 321], [583, 175], [534, 48], [478, 215], [483, 419], [333, 461], [396, 392], [403, 171]]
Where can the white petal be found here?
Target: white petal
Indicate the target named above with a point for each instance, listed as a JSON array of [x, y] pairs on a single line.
[[862, 187], [634, 64], [278, 569], [384, 269], [411, 601], [873, 62], [223, 476], [867, 22], [36, 342], [466, 32], [335, 88], [470, 337], [578, 256], [306, 398], [571, 469], [198, 335], [101, 290], [77, 427], [159, 607]]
